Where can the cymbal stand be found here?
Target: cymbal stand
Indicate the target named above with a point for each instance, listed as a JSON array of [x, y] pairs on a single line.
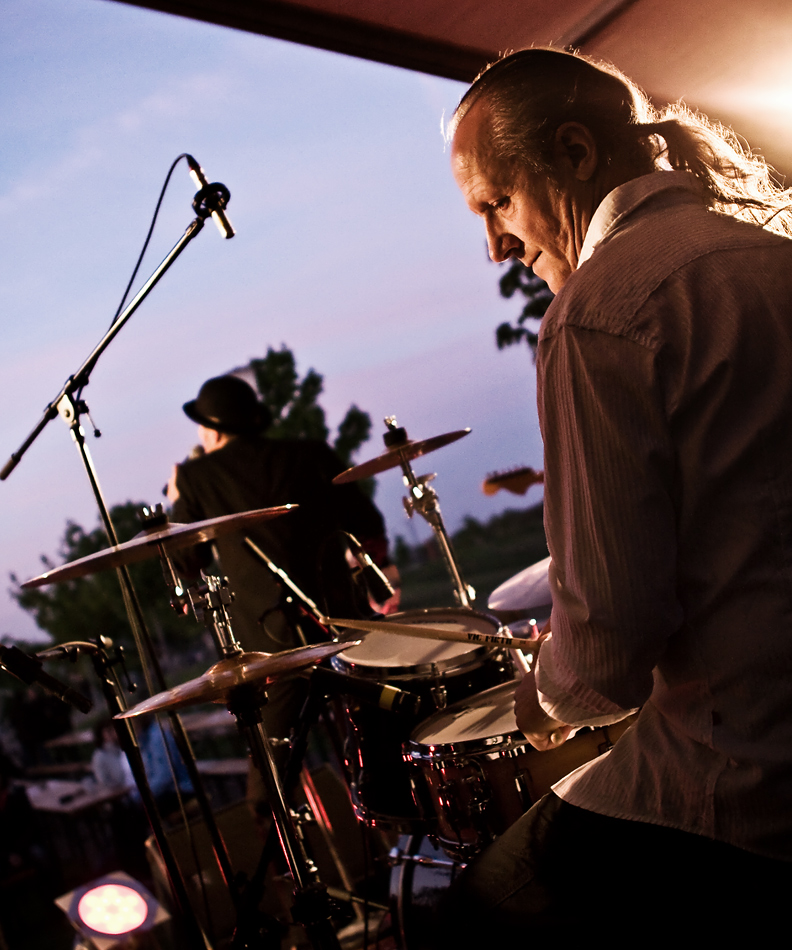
[[294, 602], [104, 657], [153, 518], [312, 906], [422, 498], [313, 708]]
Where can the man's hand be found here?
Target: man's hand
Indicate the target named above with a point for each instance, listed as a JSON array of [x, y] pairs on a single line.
[[391, 605], [172, 492], [539, 729]]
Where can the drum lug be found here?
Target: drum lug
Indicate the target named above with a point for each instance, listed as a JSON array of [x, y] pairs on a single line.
[[440, 696], [439, 691]]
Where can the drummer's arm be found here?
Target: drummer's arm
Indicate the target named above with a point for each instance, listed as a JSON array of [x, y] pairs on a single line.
[[541, 730], [611, 525], [547, 718]]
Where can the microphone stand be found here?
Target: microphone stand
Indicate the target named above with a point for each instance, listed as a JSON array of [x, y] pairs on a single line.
[[104, 665], [68, 404]]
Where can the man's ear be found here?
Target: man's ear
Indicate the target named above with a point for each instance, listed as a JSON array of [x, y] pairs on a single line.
[[576, 150]]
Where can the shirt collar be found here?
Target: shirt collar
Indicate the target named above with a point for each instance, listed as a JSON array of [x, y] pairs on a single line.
[[625, 199]]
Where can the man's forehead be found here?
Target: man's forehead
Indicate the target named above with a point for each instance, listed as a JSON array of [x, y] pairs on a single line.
[[472, 132]]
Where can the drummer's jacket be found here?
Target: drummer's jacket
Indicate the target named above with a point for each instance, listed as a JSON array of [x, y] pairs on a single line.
[[665, 399]]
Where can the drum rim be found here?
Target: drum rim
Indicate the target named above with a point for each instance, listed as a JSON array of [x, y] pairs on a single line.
[[462, 663]]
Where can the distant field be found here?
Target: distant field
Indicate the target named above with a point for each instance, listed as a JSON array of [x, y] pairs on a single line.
[[488, 554]]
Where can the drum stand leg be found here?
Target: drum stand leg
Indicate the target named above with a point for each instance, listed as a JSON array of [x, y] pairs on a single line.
[[312, 906]]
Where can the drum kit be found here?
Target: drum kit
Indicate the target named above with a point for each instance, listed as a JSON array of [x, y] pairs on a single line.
[[422, 702]]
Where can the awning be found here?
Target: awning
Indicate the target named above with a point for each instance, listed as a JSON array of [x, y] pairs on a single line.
[[731, 59]]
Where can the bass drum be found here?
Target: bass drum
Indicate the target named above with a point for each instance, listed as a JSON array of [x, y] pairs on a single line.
[[420, 875], [440, 672]]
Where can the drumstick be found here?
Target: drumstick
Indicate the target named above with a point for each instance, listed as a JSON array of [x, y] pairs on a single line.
[[437, 633]]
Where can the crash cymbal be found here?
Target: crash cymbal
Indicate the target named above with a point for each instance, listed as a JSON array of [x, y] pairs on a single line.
[[403, 451], [145, 544], [218, 682], [528, 590]]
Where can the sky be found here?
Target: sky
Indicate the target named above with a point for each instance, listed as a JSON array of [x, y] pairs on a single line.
[[353, 248]]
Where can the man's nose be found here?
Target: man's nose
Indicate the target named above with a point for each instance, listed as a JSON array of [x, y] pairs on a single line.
[[501, 245]]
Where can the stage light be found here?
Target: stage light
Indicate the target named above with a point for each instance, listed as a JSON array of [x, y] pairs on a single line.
[[110, 909]]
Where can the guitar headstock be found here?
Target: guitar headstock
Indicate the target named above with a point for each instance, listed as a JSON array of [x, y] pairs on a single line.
[[516, 480]]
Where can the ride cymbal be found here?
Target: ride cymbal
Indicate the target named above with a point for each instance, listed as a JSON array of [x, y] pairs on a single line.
[[398, 453]]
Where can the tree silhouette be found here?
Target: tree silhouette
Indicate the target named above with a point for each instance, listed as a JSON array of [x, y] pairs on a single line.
[[538, 296], [296, 414], [90, 606]]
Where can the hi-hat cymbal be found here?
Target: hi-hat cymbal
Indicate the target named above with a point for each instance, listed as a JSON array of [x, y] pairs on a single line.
[[219, 681], [145, 544], [404, 451]]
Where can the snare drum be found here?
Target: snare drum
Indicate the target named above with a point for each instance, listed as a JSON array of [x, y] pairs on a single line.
[[474, 773], [440, 672]]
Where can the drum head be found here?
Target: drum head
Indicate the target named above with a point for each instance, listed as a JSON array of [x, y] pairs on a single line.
[[388, 656], [481, 721]]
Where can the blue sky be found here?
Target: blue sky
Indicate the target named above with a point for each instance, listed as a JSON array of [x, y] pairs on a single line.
[[353, 247]]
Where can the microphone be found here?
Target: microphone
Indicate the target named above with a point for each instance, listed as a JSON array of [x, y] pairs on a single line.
[[378, 584], [28, 669], [380, 694], [219, 194]]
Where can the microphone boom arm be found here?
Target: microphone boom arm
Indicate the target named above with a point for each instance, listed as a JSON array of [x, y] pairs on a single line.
[[81, 378]]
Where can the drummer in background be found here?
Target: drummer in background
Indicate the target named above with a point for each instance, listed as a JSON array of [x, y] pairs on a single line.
[[241, 470], [664, 372]]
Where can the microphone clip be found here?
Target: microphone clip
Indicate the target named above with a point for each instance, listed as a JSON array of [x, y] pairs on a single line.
[[210, 199]]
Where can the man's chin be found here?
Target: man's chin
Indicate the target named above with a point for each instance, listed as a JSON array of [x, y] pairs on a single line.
[[553, 273]]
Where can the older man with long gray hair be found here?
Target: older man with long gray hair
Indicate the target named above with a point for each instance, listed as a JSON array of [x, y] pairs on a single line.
[[665, 399]]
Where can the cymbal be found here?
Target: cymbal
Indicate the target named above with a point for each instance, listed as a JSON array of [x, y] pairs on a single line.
[[218, 682], [528, 590], [405, 451], [145, 544]]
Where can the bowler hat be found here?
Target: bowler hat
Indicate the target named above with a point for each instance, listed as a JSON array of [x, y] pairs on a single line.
[[228, 404]]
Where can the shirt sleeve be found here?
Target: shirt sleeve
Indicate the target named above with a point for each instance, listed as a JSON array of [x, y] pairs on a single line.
[[611, 524], [187, 509]]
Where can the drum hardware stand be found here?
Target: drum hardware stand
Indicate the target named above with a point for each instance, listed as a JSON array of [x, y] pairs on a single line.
[[397, 857], [312, 709], [104, 657], [422, 499], [312, 906], [151, 519], [295, 603]]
